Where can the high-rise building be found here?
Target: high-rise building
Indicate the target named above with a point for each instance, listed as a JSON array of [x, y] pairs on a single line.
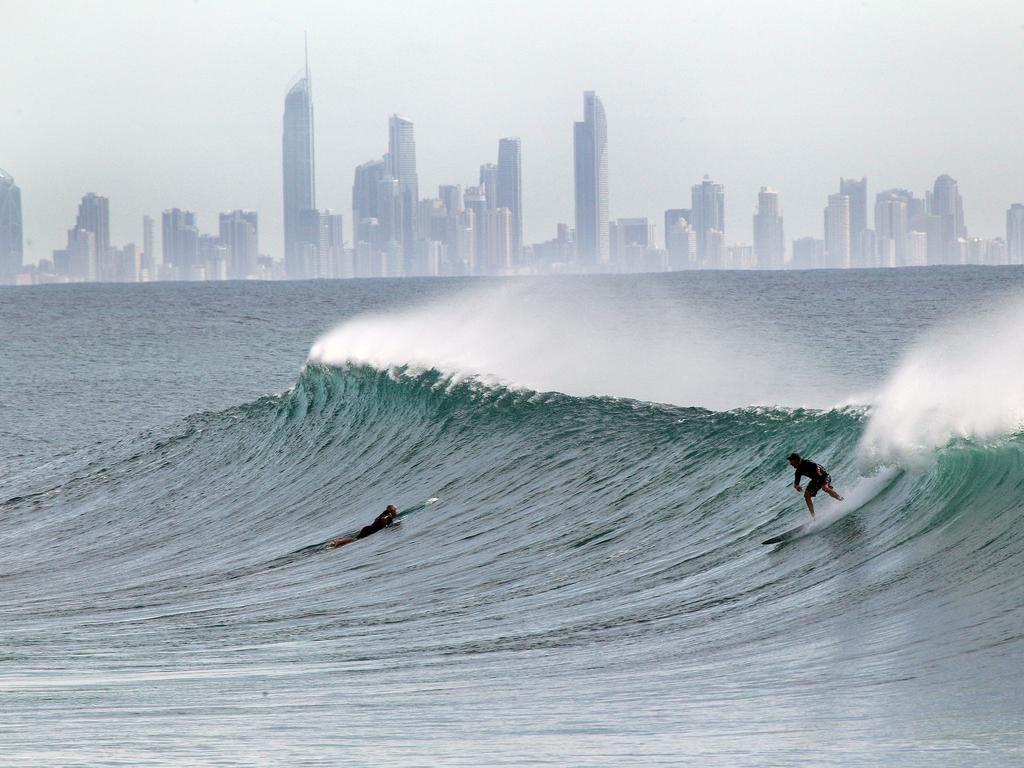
[[212, 263], [339, 258], [313, 244], [475, 201], [714, 250], [390, 213], [123, 264], [489, 184], [1015, 233], [451, 197], [322, 246], [946, 203], [401, 165], [81, 255], [239, 234], [147, 261], [680, 242], [431, 257], [892, 226], [431, 221], [11, 237], [299, 170], [499, 240], [986, 252], [364, 191], [857, 191], [180, 244], [707, 214], [837, 232], [997, 254], [557, 254], [808, 253], [673, 215], [94, 216], [462, 242], [590, 150], [510, 189], [917, 249], [636, 231], [869, 245], [631, 239], [769, 243], [740, 256]]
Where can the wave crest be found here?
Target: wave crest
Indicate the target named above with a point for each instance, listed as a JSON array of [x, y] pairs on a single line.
[[587, 341], [961, 381]]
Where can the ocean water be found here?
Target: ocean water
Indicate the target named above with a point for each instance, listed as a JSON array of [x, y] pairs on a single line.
[[586, 468]]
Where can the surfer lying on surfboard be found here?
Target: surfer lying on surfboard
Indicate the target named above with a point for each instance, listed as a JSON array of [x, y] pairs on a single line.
[[382, 521], [819, 480]]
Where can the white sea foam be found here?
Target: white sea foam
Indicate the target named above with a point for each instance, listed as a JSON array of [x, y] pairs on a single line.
[[964, 379], [580, 341]]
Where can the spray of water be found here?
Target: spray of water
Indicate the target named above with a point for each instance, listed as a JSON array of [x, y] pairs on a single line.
[[961, 380], [585, 341]]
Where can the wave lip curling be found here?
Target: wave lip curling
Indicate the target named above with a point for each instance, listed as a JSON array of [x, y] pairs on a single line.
[[587, 342]]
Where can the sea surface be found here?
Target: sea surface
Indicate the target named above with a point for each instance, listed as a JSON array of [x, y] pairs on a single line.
[[586, 468]]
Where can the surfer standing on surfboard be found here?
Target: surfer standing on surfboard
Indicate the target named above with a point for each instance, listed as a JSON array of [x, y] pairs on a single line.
[[819, 480]]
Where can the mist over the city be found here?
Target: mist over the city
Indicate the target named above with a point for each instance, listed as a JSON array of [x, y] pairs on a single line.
[[182, 106]]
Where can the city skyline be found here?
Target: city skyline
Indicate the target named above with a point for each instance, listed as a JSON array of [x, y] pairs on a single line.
[[468, 234], [476, 231], [203, 132], [395, 233]]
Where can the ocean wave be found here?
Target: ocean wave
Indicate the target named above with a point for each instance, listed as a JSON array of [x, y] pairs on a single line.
[[586, 342], [960, 381], [284, 474]]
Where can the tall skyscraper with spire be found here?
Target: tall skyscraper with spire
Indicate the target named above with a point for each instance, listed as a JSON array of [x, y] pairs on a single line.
[[299, 172], [400, 164], [590, 149], [510, 189], [11, 240]]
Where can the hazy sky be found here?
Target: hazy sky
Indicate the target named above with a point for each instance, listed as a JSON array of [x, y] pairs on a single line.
[[179, 104]]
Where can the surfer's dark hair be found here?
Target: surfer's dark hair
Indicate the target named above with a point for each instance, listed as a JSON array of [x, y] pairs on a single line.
[[793, 456]]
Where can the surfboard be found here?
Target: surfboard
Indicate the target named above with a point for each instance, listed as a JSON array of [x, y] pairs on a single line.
[[786, 536]]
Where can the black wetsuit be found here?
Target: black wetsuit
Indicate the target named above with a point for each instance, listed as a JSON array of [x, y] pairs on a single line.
[[809, 469], [376, 525]]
